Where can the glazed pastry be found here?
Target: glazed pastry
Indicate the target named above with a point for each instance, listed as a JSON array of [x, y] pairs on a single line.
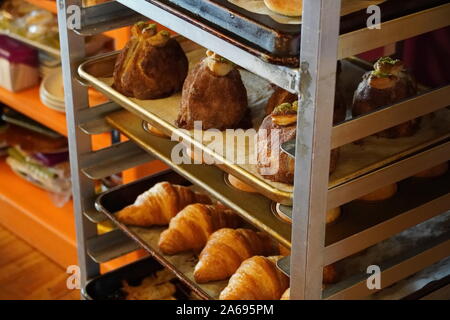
[[258, 278], [151, 66], [281, 96], [389, 83], [226, 249], [213, 94], [278, 97], [159, 205], [280, 167], [191, 228]]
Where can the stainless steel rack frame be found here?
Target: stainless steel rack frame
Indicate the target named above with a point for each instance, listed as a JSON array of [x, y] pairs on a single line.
[[315, 81]]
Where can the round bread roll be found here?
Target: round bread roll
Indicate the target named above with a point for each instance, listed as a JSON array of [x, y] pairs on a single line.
[[238, 184], [381, 194], [291, 8], [433, 172]]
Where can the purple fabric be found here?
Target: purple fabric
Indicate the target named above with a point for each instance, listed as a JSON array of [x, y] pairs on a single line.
[[52, 159], [427, 56], [16, 52]]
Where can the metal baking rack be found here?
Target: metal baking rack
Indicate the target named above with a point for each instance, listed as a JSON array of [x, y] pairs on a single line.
[[321, 47]]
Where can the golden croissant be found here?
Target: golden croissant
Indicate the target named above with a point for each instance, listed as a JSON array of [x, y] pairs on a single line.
[[286, 295], [191, 228], [258, 278], [159, 205], [329, 276], [226, 249]]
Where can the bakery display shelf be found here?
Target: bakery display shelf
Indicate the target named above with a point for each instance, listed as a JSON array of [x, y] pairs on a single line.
[[181, 264], [49, 5], [361, 225], [254, 208], [30, 212], [319, 43], [36, 44], [29, 103], [356, 161]]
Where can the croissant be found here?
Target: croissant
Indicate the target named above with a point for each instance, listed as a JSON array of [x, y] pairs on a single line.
[[190, 229], [226, 249], [257, 278], [286, 295], [159, 205], [329, 276]]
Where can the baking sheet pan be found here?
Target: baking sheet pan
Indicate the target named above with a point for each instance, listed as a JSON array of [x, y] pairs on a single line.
[[181, 264], [108, 286], [355, 161]]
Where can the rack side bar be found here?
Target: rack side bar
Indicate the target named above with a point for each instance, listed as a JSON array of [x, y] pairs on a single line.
[[390, 116], [392, 271], [395, 172], [312, 160], [402, 28], [382, 231], [76, 98]]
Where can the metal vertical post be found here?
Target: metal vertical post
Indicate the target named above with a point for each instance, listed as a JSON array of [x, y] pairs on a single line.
[[318, 58], [76, 98]]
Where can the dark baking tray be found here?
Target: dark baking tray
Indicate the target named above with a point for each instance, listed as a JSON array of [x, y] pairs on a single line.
[[108, 286], [262, 36], [117, 198]]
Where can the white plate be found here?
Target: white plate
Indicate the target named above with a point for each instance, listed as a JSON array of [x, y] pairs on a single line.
[[53, 85]]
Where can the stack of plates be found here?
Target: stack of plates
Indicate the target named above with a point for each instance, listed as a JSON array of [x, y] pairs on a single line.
[[52, 91], [47, 64]]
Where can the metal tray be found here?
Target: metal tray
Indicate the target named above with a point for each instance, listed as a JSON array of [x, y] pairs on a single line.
[[181, 264], [107, 286], [267, 36], [355, 160]]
